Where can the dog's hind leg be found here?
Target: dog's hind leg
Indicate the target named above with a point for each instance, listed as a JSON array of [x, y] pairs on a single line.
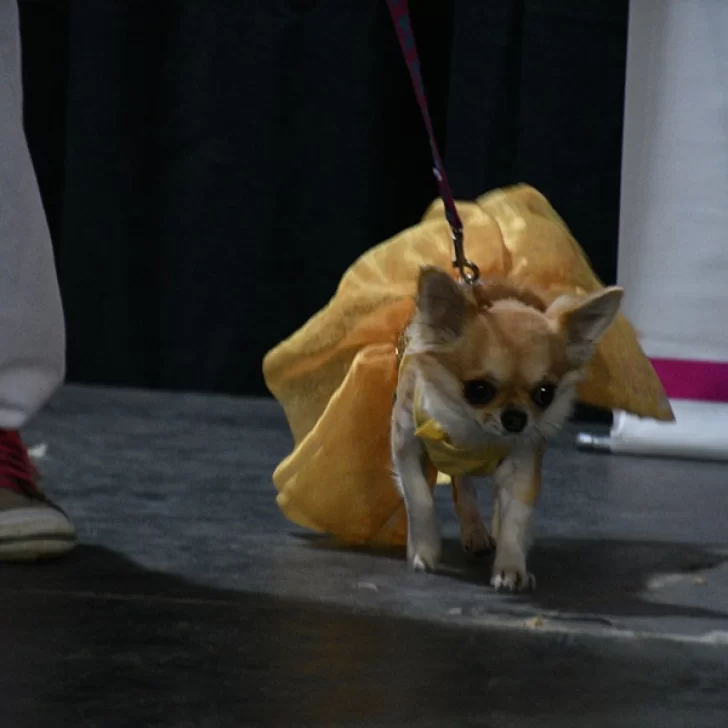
[[474, 536]]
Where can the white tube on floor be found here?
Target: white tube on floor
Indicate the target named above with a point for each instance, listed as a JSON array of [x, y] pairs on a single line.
[[700, 431]]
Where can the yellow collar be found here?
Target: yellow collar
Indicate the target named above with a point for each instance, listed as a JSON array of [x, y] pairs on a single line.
[[445, 456]]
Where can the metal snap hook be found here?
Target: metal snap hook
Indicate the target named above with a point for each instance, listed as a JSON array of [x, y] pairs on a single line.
[[469, 272]]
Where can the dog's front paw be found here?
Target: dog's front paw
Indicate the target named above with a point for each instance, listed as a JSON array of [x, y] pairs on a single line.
[[423, 543], [475, 538], [423, 557], [512, 579]]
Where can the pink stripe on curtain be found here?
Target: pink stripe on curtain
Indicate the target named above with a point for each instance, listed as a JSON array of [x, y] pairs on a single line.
[[704, 381]]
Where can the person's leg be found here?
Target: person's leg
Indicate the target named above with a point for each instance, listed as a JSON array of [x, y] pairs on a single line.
[[32, 334]]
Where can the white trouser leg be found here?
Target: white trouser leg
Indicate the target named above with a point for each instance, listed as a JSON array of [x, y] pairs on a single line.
[[673, 247], [32, 334]]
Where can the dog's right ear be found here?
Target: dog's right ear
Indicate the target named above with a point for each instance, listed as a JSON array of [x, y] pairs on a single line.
[[584, 320], [442, 304]]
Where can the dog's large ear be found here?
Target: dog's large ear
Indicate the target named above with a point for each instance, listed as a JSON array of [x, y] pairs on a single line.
[[442, 305], [584, 320]]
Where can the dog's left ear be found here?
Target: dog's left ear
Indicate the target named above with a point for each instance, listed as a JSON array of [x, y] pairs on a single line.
[[585, 319], [442, 304]]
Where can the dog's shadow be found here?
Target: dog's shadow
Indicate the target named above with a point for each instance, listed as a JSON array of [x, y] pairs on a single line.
[[585, 576]]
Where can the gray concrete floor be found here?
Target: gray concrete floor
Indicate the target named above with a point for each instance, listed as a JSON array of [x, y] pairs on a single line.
[[192, 602]]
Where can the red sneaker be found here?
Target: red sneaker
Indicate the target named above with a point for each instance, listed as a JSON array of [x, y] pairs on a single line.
[[31, 526]]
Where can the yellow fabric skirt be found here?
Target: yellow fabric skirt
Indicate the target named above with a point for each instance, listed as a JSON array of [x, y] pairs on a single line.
[[336, 376]]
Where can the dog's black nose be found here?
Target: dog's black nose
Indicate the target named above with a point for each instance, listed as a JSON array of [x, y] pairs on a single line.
[[514, 420]]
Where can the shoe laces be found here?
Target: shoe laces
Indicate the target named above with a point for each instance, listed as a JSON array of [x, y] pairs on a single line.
[[17, 470]]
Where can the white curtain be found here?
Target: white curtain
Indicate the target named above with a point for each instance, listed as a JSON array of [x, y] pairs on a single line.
[[673, 246]]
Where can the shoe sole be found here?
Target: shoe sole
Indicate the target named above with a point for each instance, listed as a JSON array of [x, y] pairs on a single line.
[[27, 534]]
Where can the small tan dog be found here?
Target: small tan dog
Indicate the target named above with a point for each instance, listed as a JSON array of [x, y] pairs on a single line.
[[487, 375]]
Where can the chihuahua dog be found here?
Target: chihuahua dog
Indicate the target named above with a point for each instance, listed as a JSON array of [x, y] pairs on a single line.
[[488, 374]]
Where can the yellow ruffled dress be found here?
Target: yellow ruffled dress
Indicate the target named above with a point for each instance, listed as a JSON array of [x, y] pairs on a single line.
[[336, 376]]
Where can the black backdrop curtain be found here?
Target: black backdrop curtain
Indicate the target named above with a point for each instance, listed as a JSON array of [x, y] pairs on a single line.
[[210, 167]]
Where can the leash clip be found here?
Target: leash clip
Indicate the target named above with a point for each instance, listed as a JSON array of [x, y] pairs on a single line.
[[468, 270]]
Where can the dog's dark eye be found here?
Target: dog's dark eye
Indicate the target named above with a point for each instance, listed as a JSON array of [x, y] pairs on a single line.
[[479, 391], [543, 395]]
